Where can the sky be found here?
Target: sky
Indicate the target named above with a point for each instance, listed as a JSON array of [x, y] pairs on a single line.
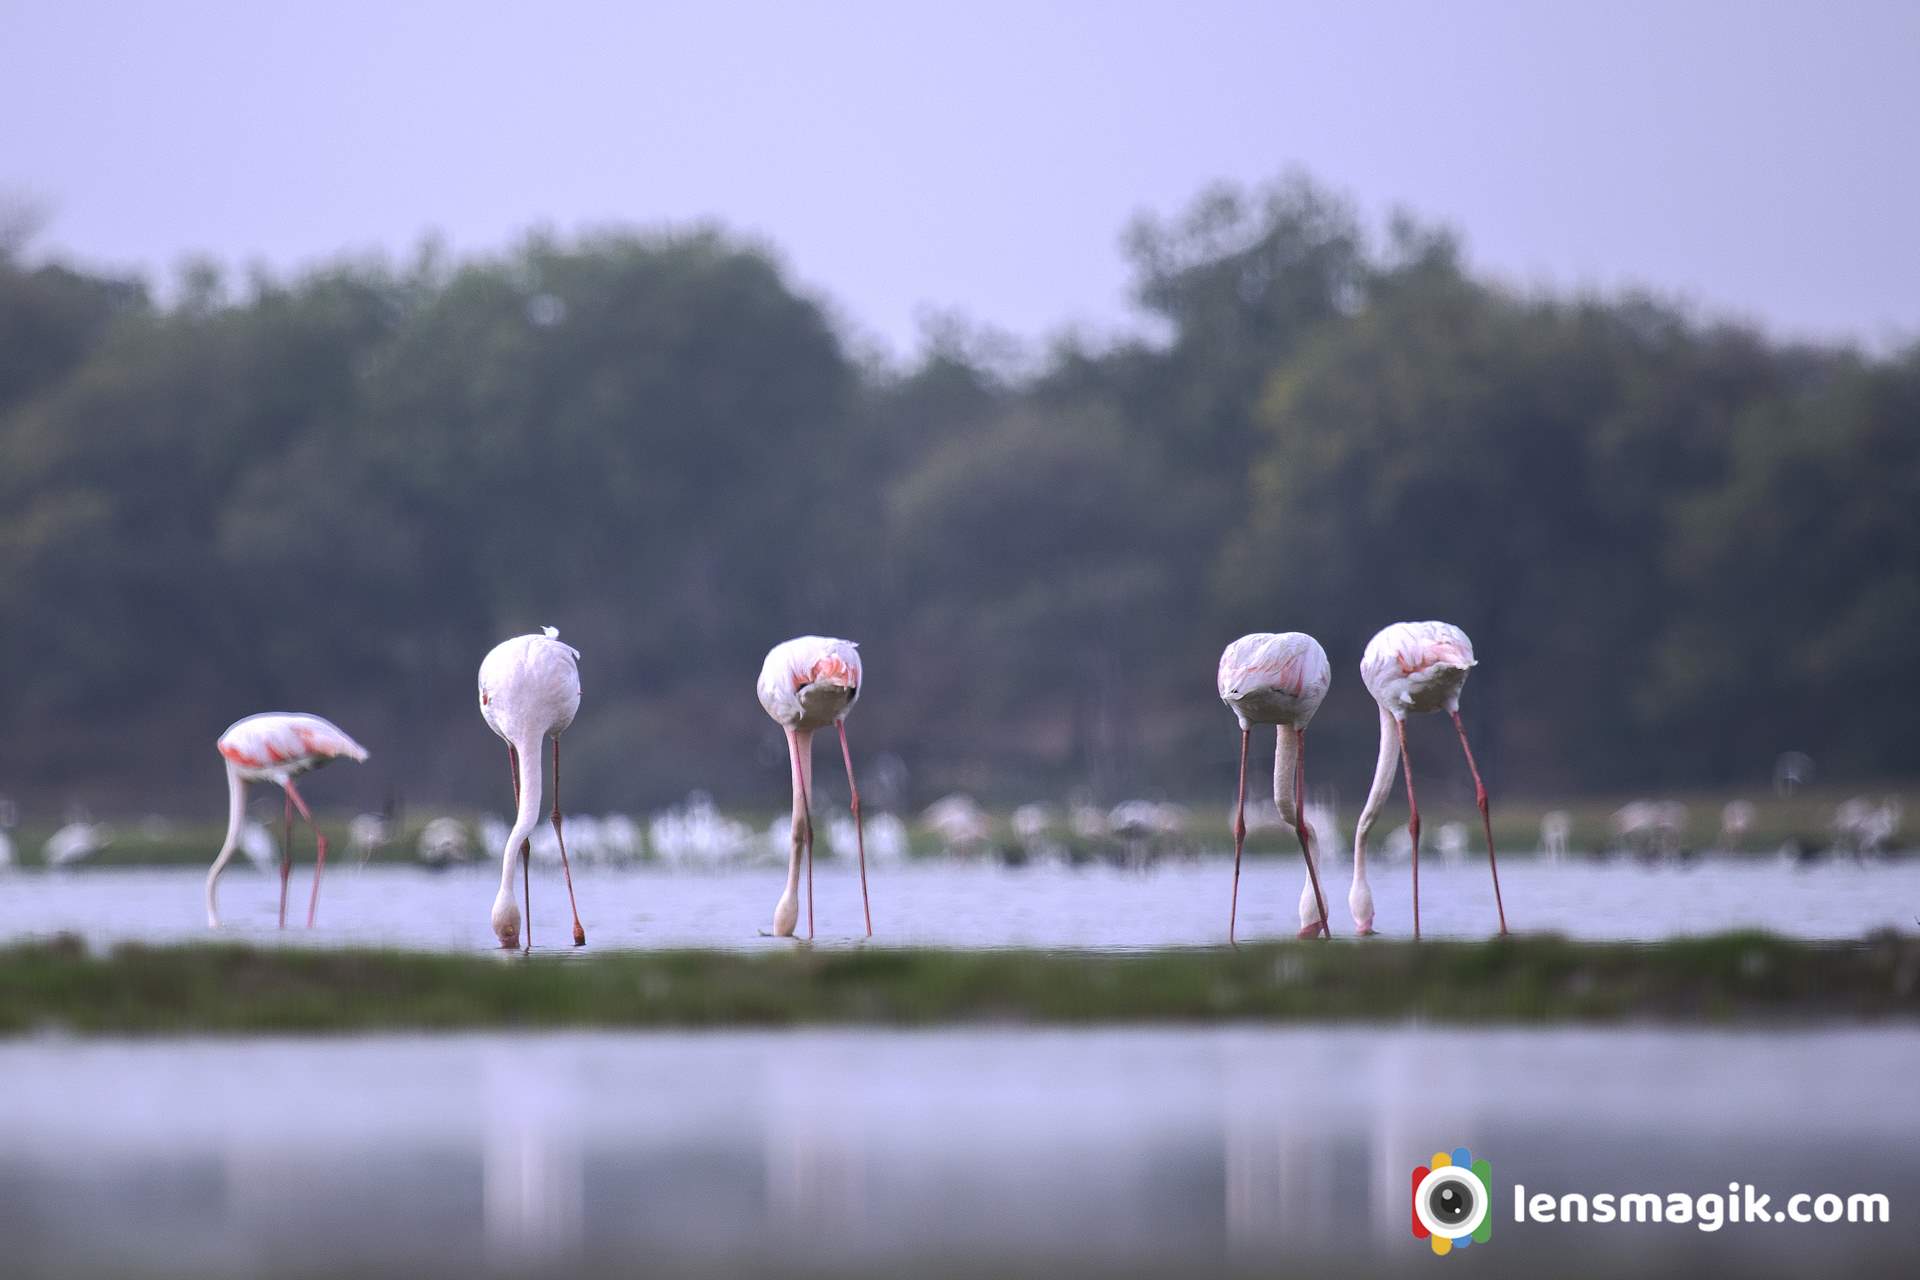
[[1756, 159]]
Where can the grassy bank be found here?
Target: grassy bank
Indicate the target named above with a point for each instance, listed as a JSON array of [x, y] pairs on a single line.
[[147, 990]]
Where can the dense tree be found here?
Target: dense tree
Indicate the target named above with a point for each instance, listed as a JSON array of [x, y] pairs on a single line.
[[1679, 546]]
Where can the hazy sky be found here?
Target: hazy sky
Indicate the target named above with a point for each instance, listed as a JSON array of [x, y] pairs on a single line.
[[1759, 158]]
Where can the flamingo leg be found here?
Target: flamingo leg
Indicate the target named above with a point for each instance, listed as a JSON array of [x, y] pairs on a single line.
[[579, 934], [1306, 833], [859, 829], [526, 846], [319, 852], [286, 861], [1239, 835], [1486, 820], [1413, 821]]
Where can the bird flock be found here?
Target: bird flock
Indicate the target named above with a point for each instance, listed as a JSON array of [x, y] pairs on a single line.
[[529, 691]]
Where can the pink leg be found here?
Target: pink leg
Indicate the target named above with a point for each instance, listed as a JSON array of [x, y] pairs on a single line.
[[320, 849], [526, 847], [1486, 820], [1306, 833], [859, 830], [286, 862], [1239, 836], [579, 934], [1413, 822]]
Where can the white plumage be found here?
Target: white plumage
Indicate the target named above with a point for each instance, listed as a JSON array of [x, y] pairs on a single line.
[[806, 684], [1278, 678], [810, 682], [530, 691], [276, 747], [1413, 668]]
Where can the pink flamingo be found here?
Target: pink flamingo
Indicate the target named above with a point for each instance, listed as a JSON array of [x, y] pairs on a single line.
[[1277, 679], [1415, 667], [806, 684], [277, 747], [530, 691]]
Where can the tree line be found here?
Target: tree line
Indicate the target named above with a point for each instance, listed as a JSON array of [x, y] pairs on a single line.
[[1680, 545]]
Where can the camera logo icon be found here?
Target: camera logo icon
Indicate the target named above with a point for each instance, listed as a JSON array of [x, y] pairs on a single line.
[[1453, 1201]]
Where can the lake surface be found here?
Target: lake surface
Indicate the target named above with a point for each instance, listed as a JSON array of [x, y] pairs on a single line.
[[970, 905], [969, 1151]]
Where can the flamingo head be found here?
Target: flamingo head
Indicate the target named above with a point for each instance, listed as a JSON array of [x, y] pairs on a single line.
[[506, 920]]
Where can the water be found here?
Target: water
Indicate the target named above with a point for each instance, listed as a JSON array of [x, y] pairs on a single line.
[[962, 905], [878, 1152]]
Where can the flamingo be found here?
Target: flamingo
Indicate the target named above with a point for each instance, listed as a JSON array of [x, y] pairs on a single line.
[[1278, 679], [277, 747], [806, 684], [1415, 667], [530, 690]]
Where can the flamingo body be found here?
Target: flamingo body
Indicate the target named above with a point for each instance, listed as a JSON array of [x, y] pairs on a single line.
[[276, 747], [1269, 678], [1417, 667], [810, 682], [529, 691]]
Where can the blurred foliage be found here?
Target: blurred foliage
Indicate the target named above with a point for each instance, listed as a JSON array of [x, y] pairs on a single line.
[[1680, 547]]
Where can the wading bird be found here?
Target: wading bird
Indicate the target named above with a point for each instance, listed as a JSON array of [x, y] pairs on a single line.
[[807, 684], [1414, 667], [277, 747], [1278, 680], [529, 691]]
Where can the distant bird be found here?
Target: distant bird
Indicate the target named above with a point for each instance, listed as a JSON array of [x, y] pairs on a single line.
[[530, 691], [1791, 769], [1032, 822], [1556, 830], [1861, 827], [1415, 667], [1650, 829], [367, 833], [1736, 819], [1281, 679], [277, 747], [806, 684], [258, 844], [74, 842], [443, 842]]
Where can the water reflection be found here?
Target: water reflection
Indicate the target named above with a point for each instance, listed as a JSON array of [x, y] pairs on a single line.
[[872, 1153], [534, 1172]]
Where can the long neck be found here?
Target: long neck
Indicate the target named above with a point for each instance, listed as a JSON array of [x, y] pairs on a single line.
[[800, 748], [528, 815], [1286, 772], [1286, 761], [1383, 770], [236, 815]]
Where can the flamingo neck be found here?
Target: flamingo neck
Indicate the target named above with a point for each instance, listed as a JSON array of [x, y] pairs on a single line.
[[800, 749], [236, 816], [527, 817]]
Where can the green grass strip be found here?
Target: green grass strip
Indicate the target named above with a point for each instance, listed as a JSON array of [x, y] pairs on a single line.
[[141, 990]]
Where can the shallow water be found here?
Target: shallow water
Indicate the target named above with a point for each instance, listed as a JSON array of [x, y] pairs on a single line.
[[970, 905], [884, 1152]]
